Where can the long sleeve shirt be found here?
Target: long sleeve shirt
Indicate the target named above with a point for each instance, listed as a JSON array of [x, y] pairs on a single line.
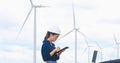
[[47, 47]]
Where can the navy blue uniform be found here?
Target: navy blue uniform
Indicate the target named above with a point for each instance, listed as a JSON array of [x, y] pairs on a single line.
[[47, 47]]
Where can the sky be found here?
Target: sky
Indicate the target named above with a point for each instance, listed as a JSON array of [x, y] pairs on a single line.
[[97, 22]]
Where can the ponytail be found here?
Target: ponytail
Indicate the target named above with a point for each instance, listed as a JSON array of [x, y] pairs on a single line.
[[48, 35]]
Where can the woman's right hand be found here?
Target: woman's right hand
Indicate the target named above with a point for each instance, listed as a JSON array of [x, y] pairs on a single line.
[[54, 51], [57, 49]]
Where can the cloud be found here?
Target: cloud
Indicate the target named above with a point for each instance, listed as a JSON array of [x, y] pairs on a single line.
[[108, 12], [108, 53], [16, 53], [7, 34], [108, 21]]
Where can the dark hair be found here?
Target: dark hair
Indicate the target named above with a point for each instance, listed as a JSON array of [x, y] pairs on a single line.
[[48, 35]]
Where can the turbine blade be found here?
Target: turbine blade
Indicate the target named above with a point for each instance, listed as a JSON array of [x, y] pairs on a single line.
[[31, 2], [24, 22], [66, 34], [114, 36]]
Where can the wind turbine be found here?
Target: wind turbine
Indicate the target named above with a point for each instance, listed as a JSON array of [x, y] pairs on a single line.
[[117, 43], [76, 32], [33, 7], [74, 29], [88, 52], [88, 46]]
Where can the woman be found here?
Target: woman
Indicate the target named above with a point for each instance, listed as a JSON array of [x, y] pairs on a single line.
[[49, 51]]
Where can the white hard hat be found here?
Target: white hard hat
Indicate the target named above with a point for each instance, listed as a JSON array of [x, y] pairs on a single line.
[[54, 29]]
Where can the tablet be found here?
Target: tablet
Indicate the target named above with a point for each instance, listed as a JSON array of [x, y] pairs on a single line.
[[63, 49]]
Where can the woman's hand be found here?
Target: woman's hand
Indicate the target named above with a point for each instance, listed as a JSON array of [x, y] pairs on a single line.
[[54, 51], [57, 49]]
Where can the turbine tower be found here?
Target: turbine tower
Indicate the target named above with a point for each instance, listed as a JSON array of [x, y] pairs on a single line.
[[33, 7], [117, 44]]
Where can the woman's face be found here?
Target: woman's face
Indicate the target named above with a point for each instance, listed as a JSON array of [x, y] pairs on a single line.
[[54, 37]]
